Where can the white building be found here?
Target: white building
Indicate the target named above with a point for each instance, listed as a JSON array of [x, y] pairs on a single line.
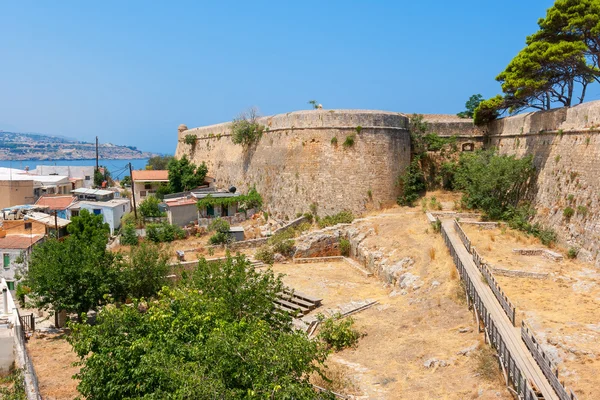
[[112, 211], [80, 176], [13, 248]]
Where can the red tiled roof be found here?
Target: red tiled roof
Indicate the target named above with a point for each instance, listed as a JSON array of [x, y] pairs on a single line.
[[55, 202], [150, 175], [20, 242]]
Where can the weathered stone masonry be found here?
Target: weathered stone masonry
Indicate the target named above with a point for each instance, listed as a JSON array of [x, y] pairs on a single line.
[[295, 163]]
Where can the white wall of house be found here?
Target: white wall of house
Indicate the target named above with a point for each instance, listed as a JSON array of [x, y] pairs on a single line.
[[143, 190], [111, 211], [9, 269]]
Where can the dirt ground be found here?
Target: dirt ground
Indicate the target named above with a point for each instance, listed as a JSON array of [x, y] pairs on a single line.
[[404, 331], [53, 360], [564, 309]]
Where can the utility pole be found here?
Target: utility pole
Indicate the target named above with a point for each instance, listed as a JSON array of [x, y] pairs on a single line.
[[96, 153], [56, 224], [133, 192]]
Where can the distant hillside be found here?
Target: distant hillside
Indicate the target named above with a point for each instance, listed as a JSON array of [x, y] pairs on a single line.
[[35, 146]]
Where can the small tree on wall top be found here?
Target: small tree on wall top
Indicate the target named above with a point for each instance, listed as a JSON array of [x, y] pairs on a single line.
[[245, 129]]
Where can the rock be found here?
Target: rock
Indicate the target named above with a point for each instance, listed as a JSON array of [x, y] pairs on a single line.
[[468, 350], [435, 284], [279, 258], [465, 330], [408, 280], [433, 362]]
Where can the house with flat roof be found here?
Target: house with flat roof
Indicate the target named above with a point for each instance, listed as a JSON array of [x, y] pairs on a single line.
[[112, 211], [55, 226], [146, 182], [58, 204], [22, 187], [79, 176], [93, 194]]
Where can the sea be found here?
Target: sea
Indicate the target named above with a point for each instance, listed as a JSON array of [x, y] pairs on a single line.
[[118, 168]]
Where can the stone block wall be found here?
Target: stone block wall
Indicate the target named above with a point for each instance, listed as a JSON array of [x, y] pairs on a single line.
[[295, 164], [565, 144]]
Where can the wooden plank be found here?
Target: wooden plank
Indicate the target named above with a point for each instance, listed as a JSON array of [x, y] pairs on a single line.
[[291, 305], [306, 297]]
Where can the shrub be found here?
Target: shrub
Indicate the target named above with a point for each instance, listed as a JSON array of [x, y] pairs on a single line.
[[265, 254], [349, 141], [164, 232], [334, 140], [190, 139], [437, 225], [343, 217], [568, 212], [220, 238], [245, 130], [572, 253], [309, 217], [129, 236], [345, 247], [22, 291], [582, 210], [412, 182], [337, 332], [219, 225], [149, 207], [358, 129]]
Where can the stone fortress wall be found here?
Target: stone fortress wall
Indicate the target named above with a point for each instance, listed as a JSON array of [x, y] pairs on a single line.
[[565, 144], [295, 163]]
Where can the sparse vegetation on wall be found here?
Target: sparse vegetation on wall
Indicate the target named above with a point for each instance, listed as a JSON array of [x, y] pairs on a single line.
[[245, 129]]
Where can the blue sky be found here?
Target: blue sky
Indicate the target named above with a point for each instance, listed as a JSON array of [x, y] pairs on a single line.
[[132, 71]]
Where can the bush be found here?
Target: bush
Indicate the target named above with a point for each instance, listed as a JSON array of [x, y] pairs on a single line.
[[412, 182], [220, 238], [309, 217], [582, 210], [21, 292], [219, 225], [493, 183], [129, 236], [334, 140], [349, 141], [337, 332], [568, 212], [245, 130], [149, 207], [190, 139], [487, 363], [572, 253], [343, 217], [164, 232], [265, 254], [520, 217], [345, 247]]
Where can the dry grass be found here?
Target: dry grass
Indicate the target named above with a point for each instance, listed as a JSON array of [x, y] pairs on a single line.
[[486, 363], [338, 378], [53, 360], [432, 253]]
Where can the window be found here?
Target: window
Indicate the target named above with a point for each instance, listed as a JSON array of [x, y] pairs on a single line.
[[97, 211], [148, 186], [87, 177], [142, 193], [74, 213], [28, 225], [6, 260], [11, 285], [123, 207]]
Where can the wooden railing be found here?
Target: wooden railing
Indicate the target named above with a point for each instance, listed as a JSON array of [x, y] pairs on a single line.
[[515, 379], [462, 235], [549, 370], [485, 270]]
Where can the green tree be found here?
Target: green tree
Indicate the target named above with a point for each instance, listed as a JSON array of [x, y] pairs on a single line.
[[129, 236], [89, 228], [314, 104], [491, 182], [143, 272], [218, 336], [72, 275], [126, 181], [159, 162], [185, 175], [488, 110], [149, 207], [412, 183], [470, 106]]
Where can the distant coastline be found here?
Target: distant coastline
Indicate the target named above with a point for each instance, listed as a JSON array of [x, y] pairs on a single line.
[[117, 167]]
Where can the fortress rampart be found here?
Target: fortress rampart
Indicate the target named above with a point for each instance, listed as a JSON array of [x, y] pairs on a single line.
[[565, 144], [295, 164]]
